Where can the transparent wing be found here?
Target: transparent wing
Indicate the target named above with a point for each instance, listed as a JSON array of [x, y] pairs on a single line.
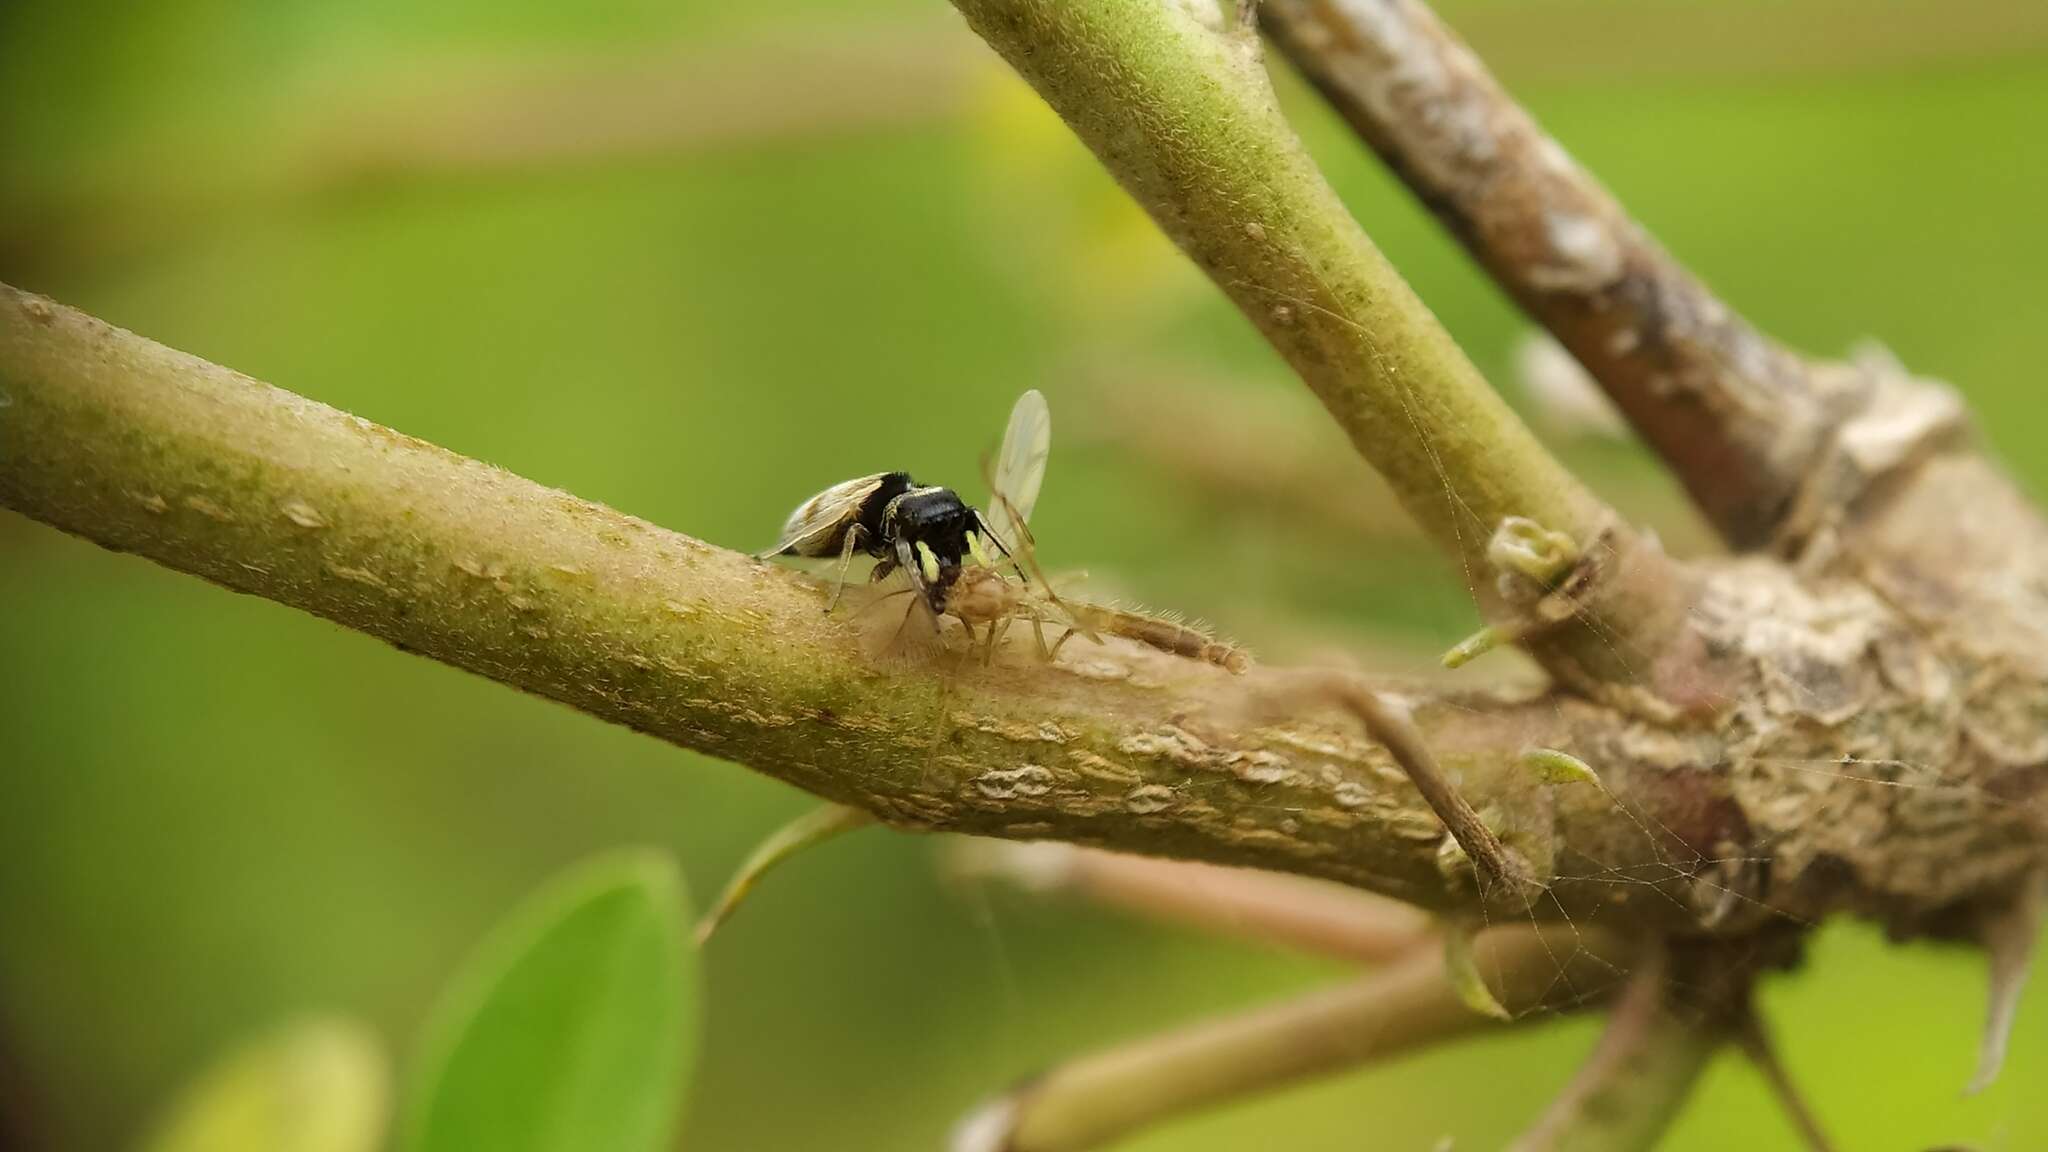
[[1020, 469], [816, 527]]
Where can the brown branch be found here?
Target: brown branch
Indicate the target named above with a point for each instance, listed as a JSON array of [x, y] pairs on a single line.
[[1756, 1044], [1390, 724], [1738, 418], [1265, 907], [1221, 443], [472, 116], [1183, 116], [1639, 1075], [145, 450], [1411, 1005]]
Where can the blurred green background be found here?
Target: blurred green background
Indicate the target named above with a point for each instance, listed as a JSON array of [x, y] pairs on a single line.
[[699, 260]]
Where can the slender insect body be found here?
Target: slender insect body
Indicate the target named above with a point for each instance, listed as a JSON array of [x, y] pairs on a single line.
[[983, 595], [1165, 634]]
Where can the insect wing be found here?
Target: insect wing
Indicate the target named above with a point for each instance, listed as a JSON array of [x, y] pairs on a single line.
[[816, 527], [1020, 469]]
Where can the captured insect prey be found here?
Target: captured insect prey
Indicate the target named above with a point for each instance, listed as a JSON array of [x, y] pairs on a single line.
[[927, 532], [959, 562]]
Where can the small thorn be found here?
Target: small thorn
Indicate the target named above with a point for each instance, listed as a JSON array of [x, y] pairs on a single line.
[[2010, 935], [1463, 968], [814, 827]]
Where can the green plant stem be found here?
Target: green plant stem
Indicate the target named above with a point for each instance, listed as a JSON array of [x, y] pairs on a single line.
[[1739, 419], [143, 449], [1184, 116]]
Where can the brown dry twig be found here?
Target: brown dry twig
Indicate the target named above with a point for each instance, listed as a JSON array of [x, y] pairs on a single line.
[[1311, 916], [1410, 1005]]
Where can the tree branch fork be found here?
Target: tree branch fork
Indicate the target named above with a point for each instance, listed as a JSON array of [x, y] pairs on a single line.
[[146, 450], [1856, 722]]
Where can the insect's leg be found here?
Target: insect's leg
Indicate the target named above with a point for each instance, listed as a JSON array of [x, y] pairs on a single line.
[[989, 534], [1038, 634], [853, 535], [905, 557], [1061, 643]]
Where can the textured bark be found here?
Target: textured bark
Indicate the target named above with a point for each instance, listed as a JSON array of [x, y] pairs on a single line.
[[145, 450], [1640, 1074], [1857, 723], [1915, 649], [1737, 417], [1184, 117]]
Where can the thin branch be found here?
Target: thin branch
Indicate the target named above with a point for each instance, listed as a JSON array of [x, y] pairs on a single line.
[[468, 116], [1390, 724], [1213, 438], [1095, 1099], [1640, 1073], [1184, 117], [1312, 916], [1738, 418], [489, 116], [1756, 1044], [146, 450]]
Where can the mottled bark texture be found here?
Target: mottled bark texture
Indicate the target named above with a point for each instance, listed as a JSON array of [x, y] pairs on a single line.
[[1738, 418], [1856, 722], [1882, 746], [146, 450]]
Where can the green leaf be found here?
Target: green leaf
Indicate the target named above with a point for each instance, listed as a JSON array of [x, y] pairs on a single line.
[[573, 1026], [315, 1085]]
